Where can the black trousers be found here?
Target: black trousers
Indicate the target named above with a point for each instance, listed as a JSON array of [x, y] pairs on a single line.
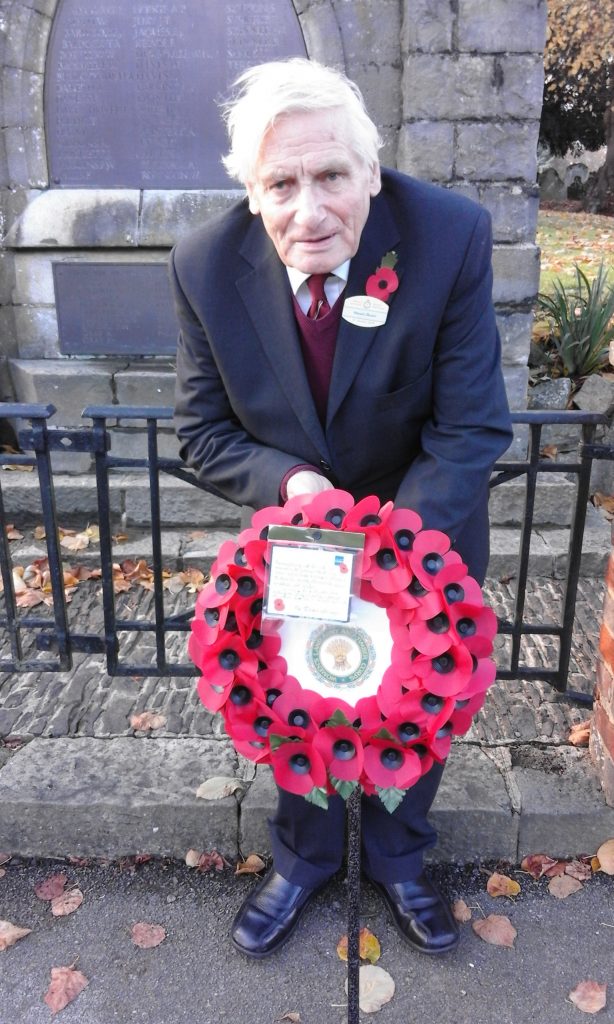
[[308, 842]]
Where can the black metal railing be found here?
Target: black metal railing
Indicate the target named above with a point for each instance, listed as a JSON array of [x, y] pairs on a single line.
[[41, 439]]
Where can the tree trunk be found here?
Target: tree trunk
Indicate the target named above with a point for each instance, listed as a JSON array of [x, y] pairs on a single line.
[[601, 198]]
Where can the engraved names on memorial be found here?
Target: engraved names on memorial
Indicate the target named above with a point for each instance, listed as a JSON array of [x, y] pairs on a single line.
[[132, 86]]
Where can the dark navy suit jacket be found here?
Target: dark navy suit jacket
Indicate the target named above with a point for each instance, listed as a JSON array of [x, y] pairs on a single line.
[[417, 410]]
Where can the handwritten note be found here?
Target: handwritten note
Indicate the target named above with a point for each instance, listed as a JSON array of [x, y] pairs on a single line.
[[309, 582]]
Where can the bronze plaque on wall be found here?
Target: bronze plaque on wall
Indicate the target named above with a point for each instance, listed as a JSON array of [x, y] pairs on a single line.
[[132, 86], [109, 309]]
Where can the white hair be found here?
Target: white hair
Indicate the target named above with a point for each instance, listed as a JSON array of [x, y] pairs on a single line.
[[268, 91]]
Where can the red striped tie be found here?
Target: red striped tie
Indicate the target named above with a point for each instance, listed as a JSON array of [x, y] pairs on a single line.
[[319, 303]]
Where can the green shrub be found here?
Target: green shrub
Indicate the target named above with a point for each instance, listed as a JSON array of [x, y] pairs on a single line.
[[580, 320]]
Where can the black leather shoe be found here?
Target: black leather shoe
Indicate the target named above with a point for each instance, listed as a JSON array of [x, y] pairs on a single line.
[[269, 915], [420, 914]]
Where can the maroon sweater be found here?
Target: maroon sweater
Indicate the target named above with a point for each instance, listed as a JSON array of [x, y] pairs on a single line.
[[318, 340]]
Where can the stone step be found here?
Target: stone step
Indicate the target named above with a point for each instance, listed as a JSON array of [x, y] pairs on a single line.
[[113, 798], [181, 549], [182, 504]]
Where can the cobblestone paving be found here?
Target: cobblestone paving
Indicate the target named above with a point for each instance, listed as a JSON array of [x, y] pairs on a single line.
[[86, 701]]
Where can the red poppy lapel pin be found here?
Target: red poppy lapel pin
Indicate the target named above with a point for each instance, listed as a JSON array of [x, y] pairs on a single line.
[[384, 281], [371, 309]]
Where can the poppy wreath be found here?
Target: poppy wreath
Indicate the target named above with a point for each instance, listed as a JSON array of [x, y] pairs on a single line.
[[440, 668]]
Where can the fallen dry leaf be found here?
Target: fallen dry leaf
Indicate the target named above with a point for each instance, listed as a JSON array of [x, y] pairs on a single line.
[[5, 858], [589, 996], [211, 860], [39, 533], [292, 1016], [549, 451], [558, 868], [496, 929], [12, 533], [66, 984], [51, 887], [253, 865], [375, 988], [461, 912], [11, 933], [66, 903], [578, 869], [74, 542], [2, 872], [146, 936], [147, 720], [29, 599], [19, 584], [501, 885], [580, 734], [563, 886], [604, 501], [205, 861], [368, 946], [218, 787], [13, 743], [605, 856]]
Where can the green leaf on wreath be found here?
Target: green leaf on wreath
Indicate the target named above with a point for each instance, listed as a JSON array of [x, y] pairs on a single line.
[[339, 719], [318, 797], [276, 741], [384, 734], [344, 787], [390, 796]]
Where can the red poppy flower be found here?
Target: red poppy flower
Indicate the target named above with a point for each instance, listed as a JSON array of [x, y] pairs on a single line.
[[432, 629], [372, 596], [368, 516], [341, 750], [227, 657], [391, 764], [293, 707], [421, 712], [298, 767], [464, 711], [244, 696], [483, 676], [382, 284], [455, 585], [446, 674], [328, 508], [430, 554], [404, 525], [212, 695], [386, 570], [251, 727], [323, 709], [440, 743], [475, 626]]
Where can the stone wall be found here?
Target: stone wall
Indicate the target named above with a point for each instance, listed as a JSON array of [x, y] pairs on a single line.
[[455, 87], [602, 728]]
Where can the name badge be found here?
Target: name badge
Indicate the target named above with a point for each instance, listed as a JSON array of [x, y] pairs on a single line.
[[364, 311]]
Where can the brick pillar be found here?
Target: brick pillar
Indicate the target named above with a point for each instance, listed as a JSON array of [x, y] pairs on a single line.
[[602, 731]]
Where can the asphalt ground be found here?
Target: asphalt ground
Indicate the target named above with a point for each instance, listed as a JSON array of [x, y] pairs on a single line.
[[196, 977]]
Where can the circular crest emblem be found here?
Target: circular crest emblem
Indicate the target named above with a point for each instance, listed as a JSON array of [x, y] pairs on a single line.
[[341, 656]]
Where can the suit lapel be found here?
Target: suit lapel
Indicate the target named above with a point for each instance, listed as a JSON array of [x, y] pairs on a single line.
[[380, 235], [266, 294]]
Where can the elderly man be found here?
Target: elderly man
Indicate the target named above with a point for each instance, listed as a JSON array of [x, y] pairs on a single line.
[[285, 386]]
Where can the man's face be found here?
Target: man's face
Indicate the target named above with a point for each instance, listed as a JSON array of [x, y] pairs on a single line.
[[312, 190]]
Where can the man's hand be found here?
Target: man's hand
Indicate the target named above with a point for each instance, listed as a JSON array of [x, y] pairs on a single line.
[[307, 482]]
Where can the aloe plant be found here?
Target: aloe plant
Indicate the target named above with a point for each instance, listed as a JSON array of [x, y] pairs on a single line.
[[581, 320]]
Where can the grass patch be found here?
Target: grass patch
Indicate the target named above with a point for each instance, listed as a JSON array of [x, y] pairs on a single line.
[[566, 238]]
